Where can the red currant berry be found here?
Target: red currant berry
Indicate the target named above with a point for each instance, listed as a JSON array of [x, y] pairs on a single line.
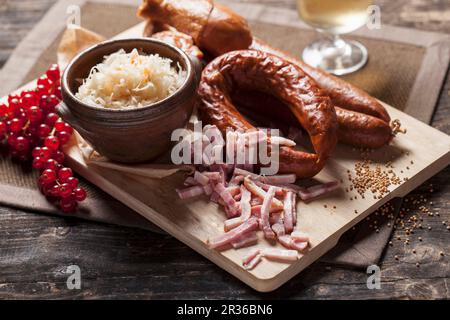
[[4, 110], [63, 137], [57, 92], [64, 174], [41, 90], [73, 182], [34, 114], [44, 81], [48, 176], [12, 140], [44, 153], [16, 125], [22, 144], [12, 97], [59, 156], [60, 125], [52, 101], [47, 189], [52, 143], [53, 72], [36, 152], [51, 164], [44, 130], [3, 128], [54, 191], [68, 128], [51, 119], [38, 163], [29, 99], [80, 194], [65, 190]]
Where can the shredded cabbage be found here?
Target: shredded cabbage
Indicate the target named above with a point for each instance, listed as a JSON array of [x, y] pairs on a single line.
[[130, 80]]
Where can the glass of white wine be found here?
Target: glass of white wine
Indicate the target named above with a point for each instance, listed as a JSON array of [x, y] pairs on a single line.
[[333, 18]]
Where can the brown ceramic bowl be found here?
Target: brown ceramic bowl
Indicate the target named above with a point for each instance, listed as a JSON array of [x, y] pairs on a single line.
[[128, 135]]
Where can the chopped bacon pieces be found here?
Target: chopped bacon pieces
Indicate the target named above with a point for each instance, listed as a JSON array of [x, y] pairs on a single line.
[[253, 202]]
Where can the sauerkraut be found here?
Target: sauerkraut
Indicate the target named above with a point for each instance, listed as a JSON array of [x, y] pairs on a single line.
[[130, 80]]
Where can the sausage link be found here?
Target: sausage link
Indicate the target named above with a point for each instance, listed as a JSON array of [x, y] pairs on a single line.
[[342, 93], [355, 128], [265, 72], [214, 28]]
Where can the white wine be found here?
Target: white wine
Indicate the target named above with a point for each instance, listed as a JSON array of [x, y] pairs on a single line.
[[334, 16]]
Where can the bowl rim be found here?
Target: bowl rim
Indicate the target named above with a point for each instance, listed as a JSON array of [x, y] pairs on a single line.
[[189, 75]]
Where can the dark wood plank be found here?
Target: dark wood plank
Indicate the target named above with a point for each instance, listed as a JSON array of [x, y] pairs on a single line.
[[121, 262]]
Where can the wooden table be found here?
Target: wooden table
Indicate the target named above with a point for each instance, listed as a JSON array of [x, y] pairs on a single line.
[[119, 262]]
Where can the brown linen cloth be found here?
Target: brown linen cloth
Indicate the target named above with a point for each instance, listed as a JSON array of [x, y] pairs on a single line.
[[388, 75]]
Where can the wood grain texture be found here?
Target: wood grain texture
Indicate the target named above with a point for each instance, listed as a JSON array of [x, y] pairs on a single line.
[[128, 263]]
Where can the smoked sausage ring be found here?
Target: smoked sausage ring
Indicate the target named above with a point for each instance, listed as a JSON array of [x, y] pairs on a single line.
[[287, 82]]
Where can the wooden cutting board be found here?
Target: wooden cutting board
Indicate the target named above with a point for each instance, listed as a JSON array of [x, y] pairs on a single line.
[[419, 154]]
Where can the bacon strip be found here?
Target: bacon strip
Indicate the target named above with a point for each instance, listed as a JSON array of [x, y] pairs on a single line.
[[288, 216], [278, 191], [278, 228], [245, 241], [208, 189], [236, 180], [190, 181], [251, 259], [201, 178], [245, 173], [276, 217], [190, 192], [288, 242], [294, 208], [233, 235], [213, 175], [230, 203], [257, 191], [279, 254], [318, 190], [298, 235], [265, 213]]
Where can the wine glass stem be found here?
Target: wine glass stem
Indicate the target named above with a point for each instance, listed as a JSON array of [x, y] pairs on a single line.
[[339, 44]]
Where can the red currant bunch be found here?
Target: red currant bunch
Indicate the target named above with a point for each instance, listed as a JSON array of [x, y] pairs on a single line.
[[33, 131]]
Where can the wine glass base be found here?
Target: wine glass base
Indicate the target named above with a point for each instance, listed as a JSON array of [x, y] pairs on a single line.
[[336, 56]]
